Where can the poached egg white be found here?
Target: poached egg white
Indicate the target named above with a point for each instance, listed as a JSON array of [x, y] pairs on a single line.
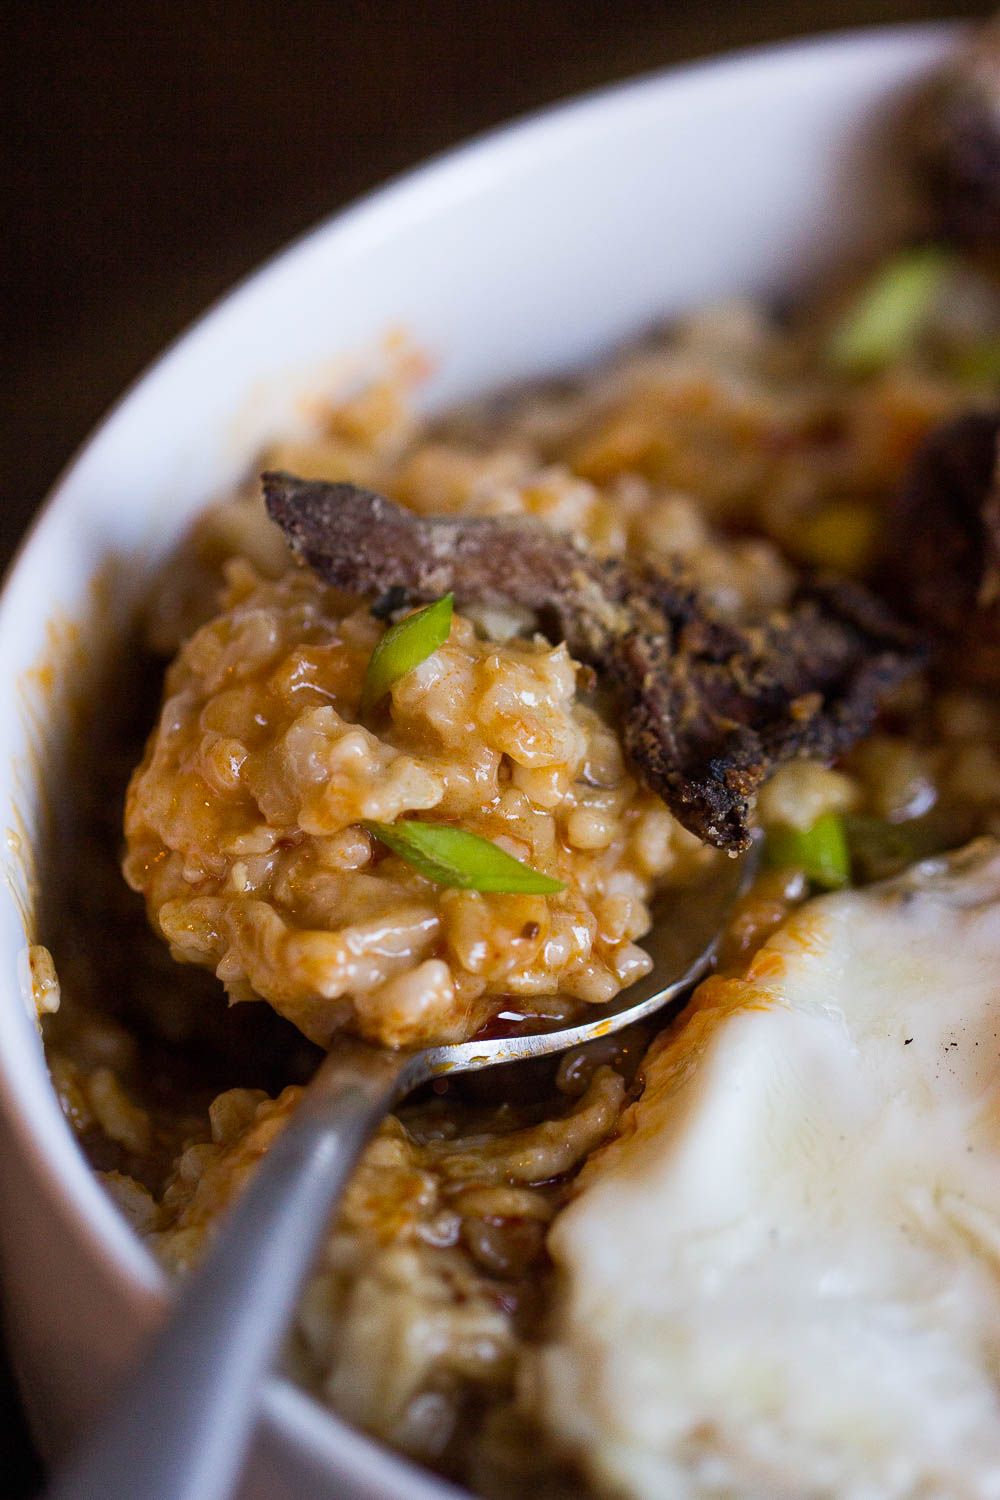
[[782, 1279]]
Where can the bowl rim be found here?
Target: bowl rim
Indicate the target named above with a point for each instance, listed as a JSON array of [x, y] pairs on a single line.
[[43, 1137]]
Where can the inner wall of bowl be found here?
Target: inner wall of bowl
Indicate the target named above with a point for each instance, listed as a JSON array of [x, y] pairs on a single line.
[[528, 253]]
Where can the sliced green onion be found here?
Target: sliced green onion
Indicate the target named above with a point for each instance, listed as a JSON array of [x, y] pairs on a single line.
[[889, 312], [978, 363], [820, 851], [880, 849], [404, 646], [454, 857]]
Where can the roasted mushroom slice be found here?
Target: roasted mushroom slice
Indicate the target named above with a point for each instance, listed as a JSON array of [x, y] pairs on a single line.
[[957, 139], [944, 546], [708, 708]]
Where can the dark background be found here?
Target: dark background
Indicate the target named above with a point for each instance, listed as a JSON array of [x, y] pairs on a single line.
[[157, 153]]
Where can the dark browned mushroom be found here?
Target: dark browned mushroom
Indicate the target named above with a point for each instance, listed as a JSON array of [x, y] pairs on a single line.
[[944, 545], [708, 708], [957, 135]]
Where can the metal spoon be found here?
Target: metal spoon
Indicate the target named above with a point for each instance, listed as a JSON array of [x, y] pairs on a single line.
[[181, 1425]]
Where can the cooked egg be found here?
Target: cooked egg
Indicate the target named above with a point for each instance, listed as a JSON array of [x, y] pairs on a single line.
[[783, 1278]]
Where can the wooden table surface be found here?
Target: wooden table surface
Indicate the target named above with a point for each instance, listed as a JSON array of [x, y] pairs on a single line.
[[158, 152]]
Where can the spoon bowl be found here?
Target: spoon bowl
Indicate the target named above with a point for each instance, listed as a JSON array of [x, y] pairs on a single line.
[[682, 943]]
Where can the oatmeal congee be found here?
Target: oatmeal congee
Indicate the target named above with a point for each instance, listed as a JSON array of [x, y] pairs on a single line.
[[459, 1309]]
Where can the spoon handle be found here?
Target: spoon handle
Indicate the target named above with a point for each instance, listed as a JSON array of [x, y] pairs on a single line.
[[182, 1421]]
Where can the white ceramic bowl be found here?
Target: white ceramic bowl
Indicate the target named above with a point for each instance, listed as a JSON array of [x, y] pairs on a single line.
[[527, 252]]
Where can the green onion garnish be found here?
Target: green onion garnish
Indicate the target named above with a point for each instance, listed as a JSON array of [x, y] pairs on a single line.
[[454, 857], [977, 363], [889, 312], [821, 851], [404, 646], [880, 849]]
